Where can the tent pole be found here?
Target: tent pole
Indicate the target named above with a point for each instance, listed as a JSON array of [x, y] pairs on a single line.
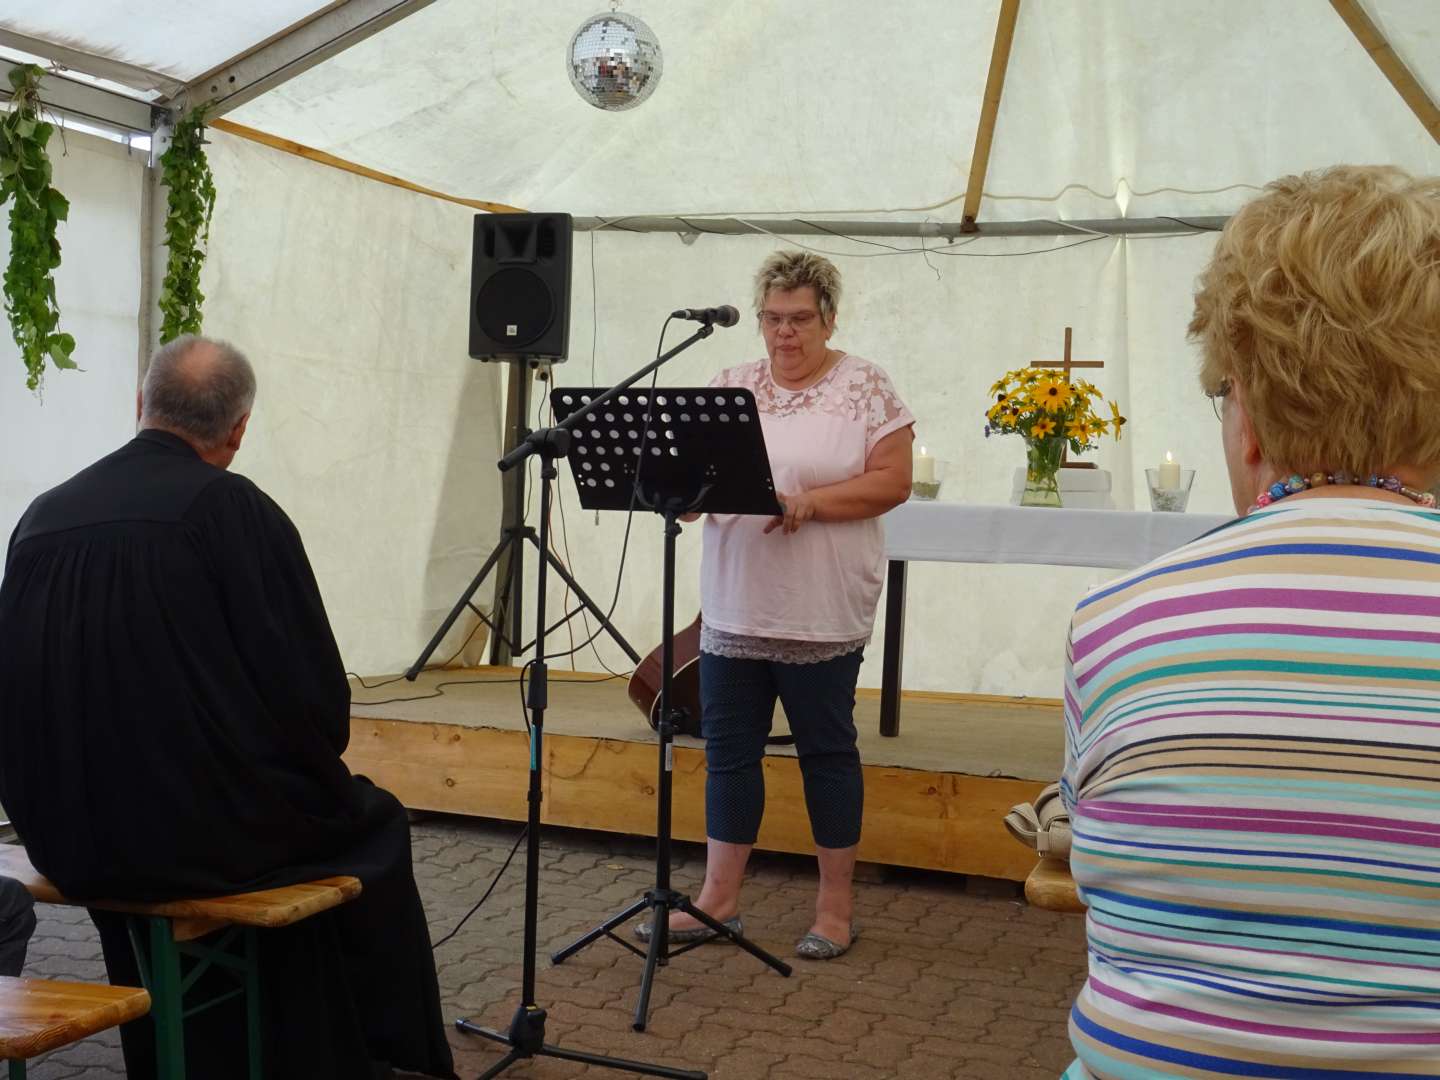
[[1406, 85], [989, 110]]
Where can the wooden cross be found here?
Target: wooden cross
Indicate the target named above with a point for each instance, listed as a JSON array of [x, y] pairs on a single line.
[[1065, 366]]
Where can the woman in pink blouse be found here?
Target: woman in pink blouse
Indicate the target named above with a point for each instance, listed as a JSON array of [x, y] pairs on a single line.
[[788, 604]]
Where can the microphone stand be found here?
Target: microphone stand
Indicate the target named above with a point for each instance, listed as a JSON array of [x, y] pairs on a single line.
[[526, 1034]]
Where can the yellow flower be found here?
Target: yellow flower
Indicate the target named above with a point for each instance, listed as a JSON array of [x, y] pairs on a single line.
[[1042, 428], [997, 386], [996, 411], [1051, 393], [1099, 426], [1079, 429], [1116, 419]]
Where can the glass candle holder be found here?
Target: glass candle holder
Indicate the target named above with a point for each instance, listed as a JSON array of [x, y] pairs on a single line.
[[1170, 499], [926, 486]]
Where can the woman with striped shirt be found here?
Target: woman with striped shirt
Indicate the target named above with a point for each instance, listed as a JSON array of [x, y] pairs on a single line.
[[1253, 721]]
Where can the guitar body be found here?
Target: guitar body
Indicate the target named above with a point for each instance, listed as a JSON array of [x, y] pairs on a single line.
[[684, 689]]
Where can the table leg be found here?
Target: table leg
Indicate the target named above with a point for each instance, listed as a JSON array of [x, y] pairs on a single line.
[[894, 648], [252, 1000], [167, 1001]]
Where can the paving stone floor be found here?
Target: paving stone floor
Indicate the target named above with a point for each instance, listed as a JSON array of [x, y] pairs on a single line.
[[950, 979]]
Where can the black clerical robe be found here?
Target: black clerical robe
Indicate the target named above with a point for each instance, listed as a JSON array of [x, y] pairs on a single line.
[[172, 713]]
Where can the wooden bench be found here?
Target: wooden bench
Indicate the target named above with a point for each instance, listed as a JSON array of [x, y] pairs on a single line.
[[37, 1015], [1050, 886], [162, 933]]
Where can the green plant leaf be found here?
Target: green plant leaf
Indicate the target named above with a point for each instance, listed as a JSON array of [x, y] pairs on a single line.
[[59, 206]]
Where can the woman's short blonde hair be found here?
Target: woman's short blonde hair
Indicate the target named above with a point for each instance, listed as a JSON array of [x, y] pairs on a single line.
[[786, 270], [1322, 301]]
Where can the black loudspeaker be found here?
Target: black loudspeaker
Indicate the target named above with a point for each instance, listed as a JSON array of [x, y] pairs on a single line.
[[520, 287]]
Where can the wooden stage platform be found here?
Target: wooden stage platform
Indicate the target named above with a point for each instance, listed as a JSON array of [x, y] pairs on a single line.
[[455, 741]]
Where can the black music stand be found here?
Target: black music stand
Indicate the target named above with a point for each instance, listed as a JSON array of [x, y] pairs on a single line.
[[674, 451]]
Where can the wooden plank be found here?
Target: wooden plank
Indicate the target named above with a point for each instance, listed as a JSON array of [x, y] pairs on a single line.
[[39, 1015], [913, 817], [989, 110], [320, 157], [265, 907], [1050, 886], [1393, 68]]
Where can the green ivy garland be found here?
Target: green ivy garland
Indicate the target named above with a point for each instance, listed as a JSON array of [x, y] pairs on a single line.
[[36, 209], [191, 201]]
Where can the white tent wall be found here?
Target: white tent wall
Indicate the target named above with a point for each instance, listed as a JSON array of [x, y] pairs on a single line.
[[372, 428], [80, 415], [379, 435]]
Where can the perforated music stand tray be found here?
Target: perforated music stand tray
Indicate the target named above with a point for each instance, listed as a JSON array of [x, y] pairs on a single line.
[[703, 445]]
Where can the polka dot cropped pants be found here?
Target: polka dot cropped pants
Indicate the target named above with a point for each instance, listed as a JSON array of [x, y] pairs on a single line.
[[738, 700]]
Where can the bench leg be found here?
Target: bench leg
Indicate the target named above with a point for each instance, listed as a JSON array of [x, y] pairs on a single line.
[[167, 1005], [252, 1000], [16, 1070]]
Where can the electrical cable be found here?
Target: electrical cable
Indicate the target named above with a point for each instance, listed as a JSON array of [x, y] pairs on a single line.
[[493, 882]]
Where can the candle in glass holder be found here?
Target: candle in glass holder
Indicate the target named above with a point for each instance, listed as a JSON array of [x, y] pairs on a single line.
[[923, 469], [1169, 472]]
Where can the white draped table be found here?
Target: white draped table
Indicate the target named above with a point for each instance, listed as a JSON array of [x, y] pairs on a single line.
[[918, 531]]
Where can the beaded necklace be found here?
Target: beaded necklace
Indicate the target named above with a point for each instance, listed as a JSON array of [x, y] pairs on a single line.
[[1296, 482]]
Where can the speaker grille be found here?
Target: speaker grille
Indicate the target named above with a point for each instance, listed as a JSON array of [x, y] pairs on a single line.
[[514, 307]]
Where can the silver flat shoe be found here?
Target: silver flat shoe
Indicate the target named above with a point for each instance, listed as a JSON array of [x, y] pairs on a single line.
[[644, 930], [814, 946]]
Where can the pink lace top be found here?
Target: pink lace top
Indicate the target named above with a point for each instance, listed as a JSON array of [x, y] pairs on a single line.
[[819, 586]]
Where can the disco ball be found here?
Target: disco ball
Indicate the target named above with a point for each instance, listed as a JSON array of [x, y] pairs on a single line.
[[615, 61]]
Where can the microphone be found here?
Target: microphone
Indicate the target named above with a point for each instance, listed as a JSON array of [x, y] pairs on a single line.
[[725, 315]]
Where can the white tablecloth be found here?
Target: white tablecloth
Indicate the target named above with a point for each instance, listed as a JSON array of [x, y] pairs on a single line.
[[920, 531]]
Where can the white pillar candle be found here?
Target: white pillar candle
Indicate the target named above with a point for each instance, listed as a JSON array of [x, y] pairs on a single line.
[[1169, 473], [923, 469]]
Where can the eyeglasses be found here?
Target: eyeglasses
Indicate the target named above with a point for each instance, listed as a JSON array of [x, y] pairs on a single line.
[[802, 321], [1217, 396]]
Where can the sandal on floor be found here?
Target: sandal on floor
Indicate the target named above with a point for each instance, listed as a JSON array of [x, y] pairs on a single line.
[[813, 946], [644, 930]]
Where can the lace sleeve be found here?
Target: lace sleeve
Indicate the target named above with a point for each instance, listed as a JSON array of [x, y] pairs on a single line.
[[885, 413]]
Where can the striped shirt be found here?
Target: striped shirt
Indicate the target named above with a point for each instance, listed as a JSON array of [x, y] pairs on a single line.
[[1253, 769]]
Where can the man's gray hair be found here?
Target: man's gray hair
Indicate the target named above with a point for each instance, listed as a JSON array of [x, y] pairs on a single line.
[[202, 401]]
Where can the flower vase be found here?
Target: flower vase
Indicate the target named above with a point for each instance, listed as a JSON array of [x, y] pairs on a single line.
[[1042, 466]]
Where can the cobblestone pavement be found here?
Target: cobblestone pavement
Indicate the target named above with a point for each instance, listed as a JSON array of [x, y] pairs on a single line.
[[949, 979]]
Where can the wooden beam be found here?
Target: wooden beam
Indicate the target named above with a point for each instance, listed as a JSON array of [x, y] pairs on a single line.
[[1394, 69], [320, 157], [989, 109]]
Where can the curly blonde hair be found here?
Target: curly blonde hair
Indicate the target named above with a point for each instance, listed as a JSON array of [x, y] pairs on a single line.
[[1322, 301], [786, 270]]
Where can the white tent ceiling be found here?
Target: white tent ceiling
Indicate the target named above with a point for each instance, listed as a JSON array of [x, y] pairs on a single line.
[[182, 39], [1111, 108]]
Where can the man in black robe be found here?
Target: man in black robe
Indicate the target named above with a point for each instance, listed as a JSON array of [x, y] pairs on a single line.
[[17, 923], [172, 713]]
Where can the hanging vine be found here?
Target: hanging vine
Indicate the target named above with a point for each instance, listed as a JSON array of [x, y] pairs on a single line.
[[36, 208], [191, 201]]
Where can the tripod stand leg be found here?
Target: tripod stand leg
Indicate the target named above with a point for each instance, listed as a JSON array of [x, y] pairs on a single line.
[[414, 669], [574, 586], [501, 1065], [659, 946], [528, 1048], [739, 939], [623, 1063], [599, 931]]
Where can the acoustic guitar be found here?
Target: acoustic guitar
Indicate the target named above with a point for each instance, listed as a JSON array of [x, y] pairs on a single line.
[[684, 688]]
